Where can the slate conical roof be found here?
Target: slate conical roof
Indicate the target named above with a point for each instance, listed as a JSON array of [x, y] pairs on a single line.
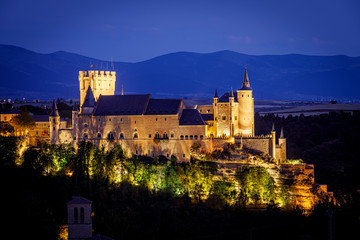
[[216, 95], [282, 133], [89, 100], [231, 93], [54, 112], [246, 82]]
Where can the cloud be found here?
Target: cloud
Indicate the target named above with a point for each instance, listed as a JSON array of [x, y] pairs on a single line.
[[239, 39]]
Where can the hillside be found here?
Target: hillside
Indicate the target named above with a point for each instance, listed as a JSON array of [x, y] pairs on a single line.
[[184, 74]]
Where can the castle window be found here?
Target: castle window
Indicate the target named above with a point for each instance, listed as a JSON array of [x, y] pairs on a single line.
[[85, 125], [196, 137], [165, 135], [149, 135], [99, 119], [157, 135], [99, 135], [201, 136], [82, 215], [110, 136], [136, 151], [186, 137], [121, 136], [224, 118], [156, 119], [85, 136], [235, 117], [184, 155], [120, 119], [135, 122], [191, 137], [172, 135], [165, 119], [135, 129], [136, 136], [109, 119], [54, 128], [182, 137], [167, 155], [76, 215]]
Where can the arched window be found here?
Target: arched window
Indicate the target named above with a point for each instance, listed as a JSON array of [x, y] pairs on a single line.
[[76, 215], [82, 215], [165, 135], [186, 137], [196, 137], [182, 137], [191, 137], [136, 136], [110, 136], [122, 136], [172, 135], [157, 135], [201, 136], [85, 136], [99, 135]]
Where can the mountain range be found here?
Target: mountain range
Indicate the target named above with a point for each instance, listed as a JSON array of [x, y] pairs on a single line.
[[32, 75]]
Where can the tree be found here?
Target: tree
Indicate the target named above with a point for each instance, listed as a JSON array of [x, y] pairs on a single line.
[[6, 128], [23, 122]]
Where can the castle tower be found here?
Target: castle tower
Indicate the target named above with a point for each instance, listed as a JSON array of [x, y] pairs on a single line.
[[282, 147], [101, 83], [246, 108], [231, 112], [79, 218], [54, 122], [89, 102], [273, 142], [216, 112]]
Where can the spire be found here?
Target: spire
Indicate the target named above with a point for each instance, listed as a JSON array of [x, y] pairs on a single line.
[[54, 112], [246, 82], [231, 93], [282, 133], [216, 95], [89, 100], [273, 128]]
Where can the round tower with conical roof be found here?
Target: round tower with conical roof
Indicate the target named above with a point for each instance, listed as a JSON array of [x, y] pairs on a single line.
[[54, 120], [245, 99]]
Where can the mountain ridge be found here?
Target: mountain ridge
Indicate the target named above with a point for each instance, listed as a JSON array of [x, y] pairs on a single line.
[[26, 73]]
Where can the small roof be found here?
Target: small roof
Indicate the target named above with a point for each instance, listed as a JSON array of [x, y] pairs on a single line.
[[79, 200], [89, 100], [216, 94], [13, 111], [225, 97], [41, 118], [191, 117]]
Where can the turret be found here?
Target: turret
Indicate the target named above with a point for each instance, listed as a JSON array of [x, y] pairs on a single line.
[[246, 108], [54, 122], [273, 142], [216, 111], [282, 146]]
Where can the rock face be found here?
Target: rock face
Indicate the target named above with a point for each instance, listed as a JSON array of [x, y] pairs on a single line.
[[299, 178]]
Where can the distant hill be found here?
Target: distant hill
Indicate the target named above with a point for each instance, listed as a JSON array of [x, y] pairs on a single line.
[[24, 73]]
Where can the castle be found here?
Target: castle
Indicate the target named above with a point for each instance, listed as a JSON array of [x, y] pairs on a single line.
[[143, 125]]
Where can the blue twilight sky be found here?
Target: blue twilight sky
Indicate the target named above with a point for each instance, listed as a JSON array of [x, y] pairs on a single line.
[[136, 30]]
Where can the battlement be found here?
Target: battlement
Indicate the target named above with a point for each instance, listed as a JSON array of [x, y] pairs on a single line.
[[97, 73], [100, 82]]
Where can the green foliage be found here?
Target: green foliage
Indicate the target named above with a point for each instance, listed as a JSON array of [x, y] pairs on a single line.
[[23, 121], [256, 184]]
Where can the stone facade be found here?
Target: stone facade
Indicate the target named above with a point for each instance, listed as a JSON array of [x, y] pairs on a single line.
[[143, 125]]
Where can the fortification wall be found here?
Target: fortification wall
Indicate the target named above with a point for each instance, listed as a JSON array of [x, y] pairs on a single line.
[[259, 144]]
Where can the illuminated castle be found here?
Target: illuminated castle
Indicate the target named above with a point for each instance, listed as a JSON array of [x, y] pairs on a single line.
[[143, 125]]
